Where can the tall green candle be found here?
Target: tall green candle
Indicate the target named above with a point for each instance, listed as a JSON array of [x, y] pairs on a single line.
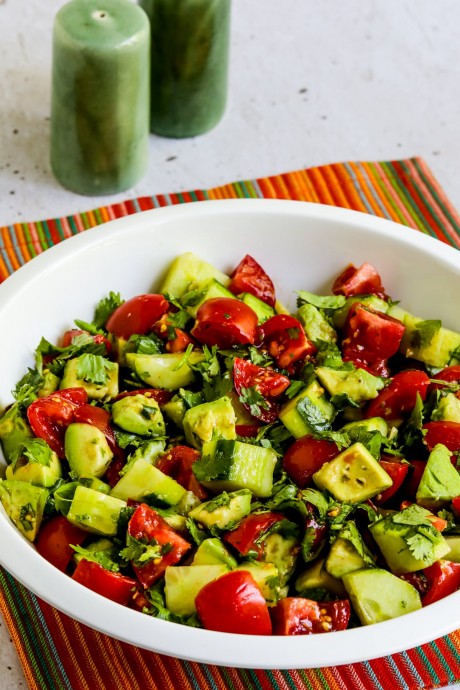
[[100, 95], [190, 51]]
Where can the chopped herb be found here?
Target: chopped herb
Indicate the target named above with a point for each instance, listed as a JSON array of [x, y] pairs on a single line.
[[320, 301], [254, 400], [424, 332], [94, 368]]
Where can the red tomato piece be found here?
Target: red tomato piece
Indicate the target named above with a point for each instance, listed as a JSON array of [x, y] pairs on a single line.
[[100, 339], [268, 382], [250, 277], [443, 579], [224, 321], [306, 456], [364, 280], [370, 336], [299, 616], [112, 475], [137, 315], [55, 539], [147, 526], [160, 395], [234, 604], [449, 375], [98, 417], [50, 416], [247, 536], [114, 586], [417, 580], [285, 340], [177, 463], [247, 430], [397, 472], [456, 506], [176, 339], [447, 433], [399, 397]]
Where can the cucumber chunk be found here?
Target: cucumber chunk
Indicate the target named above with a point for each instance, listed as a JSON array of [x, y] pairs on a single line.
[[212, 551], [228, 465], [184, 582], [225, 511], [190, 272], [144, 481], [378, 596], [95, 512]]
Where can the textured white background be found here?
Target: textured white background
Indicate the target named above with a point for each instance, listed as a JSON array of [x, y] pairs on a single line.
[[311, 82]]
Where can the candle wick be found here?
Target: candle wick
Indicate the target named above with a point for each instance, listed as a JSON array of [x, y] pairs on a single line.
[[99, 14]]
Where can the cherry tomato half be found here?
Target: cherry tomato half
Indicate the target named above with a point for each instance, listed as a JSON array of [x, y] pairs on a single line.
[[250, 277], [299, 616], [176, 339], [114, 586], [370, 335], [443, 579], [100, 339], [397, 472], [449, 375], [268, 382], [233, 603], [285, 340], [447, 433], [177, 463], [306, 456], [147, 526], [50, 416], [137, 315], [400, 396], [224, 321], [364, 280], [55, 539], [247, 536]]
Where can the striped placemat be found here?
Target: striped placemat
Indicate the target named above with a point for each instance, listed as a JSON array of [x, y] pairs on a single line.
[[58, 653]]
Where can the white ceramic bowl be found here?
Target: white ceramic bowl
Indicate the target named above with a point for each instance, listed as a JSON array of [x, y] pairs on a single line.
[[302, 246]]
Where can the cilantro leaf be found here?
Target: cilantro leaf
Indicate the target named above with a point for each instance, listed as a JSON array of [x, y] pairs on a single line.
[[103, 557], [312, 415], [254, 400], [140, 552], [94, 368], [424, 332], [105, 308], [81, 344], [26, 389], [147, 344], [198, 535], [36, 450], [421, 544]]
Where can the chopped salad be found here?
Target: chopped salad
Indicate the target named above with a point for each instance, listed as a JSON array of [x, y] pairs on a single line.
[[207, 458]]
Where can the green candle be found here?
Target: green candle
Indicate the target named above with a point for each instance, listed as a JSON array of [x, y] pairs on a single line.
[[100, 95], [190, 46]]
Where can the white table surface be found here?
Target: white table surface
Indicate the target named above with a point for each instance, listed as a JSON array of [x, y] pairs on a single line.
[[311, 82]]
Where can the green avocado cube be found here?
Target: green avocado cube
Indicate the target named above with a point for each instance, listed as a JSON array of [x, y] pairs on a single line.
[[317, 578], [212, 551], [24, 504], [348, 552], [87, 450], [13, 431], [408, 540], [440, 481], [139, 414], [35, 463], [378, 596], [447, 409], [170, 371], [216, 418], [353, 476], [72, 378], [224, 511], [426, 341], [357, 384]]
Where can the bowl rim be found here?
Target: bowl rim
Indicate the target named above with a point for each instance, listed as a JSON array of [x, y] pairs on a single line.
[[241, 651]]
